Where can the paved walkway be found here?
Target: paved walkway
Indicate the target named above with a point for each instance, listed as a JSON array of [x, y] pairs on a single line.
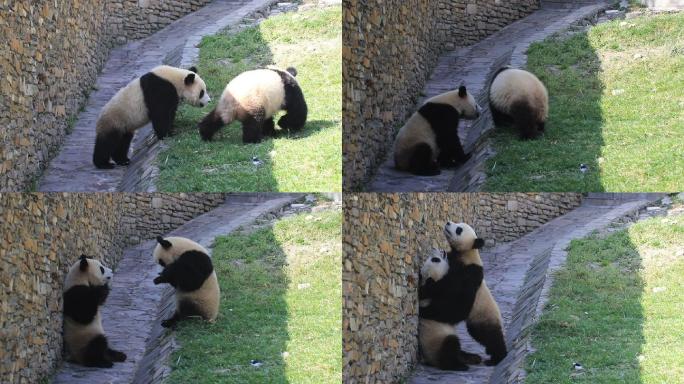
[[518, 275], [473, 66], [72, 170], [135, 307]]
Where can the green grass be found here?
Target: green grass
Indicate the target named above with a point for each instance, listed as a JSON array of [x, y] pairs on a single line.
[[264, 315], [616, 111], [309, 160], [616, 309]]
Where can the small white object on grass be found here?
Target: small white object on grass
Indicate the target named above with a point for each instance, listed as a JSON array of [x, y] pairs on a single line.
[[303, 285], [256, 161], [583, 168], [256, 363], [578, 367]]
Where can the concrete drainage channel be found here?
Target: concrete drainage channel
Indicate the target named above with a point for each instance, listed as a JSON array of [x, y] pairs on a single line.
[[519, 275], [133, 312], [474, 66]]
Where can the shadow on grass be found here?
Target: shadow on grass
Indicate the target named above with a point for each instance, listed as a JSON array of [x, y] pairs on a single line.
[[569, 67], [594, 317]]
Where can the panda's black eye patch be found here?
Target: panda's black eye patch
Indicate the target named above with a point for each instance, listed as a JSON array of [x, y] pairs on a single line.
[[436, 260], [162, 263], [102, 270], [201, 93], [459, 230]]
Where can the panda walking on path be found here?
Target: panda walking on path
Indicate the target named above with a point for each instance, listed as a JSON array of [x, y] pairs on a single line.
[[152, 97]]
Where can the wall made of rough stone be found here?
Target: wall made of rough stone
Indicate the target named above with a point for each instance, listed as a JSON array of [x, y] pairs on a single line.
[[389, 49], [384, 234], [51, 54], [42, 236], [135, 19], [151, 214]]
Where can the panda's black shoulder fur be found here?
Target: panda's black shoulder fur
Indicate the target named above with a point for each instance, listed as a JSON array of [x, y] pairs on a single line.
[[443, 119], [188, 272], [161, 100], [452, 297], [81, 302]]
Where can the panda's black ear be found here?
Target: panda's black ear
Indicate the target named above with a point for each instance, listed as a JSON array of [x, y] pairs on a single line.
[[164, 243], [478, 243], [462, 91], [84, 263], [193, 69], [189, 79]]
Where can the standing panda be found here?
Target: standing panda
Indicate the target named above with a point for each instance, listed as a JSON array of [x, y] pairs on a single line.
[[253, 97], [86, 288], [188, 268], [439, 343], [518, 96], [429, 139], [462, 294], [154, 96]]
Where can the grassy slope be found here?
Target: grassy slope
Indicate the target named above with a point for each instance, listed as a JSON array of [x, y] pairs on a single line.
[[310, 160], [605, 314], [619, 113], [264, 313]]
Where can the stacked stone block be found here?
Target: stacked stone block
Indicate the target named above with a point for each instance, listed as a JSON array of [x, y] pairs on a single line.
[[389, 49], [385, 238]]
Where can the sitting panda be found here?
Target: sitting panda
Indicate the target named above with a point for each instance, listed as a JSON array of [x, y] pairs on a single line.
[[518, 96], [429, 139], [154, 96], [253, 97], [86, 288], [439, 343], [188, 268], [462, 294]]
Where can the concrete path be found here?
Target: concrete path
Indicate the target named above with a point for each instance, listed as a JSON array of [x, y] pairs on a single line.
[[518, 274], [135, 307], [473, 66], [72, 170]]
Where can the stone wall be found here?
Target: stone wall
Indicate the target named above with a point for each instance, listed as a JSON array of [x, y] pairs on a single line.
[[152, 214], [51, 56], [389, 49], [42, 236], [134, 19], [384, 234], [49, 61]]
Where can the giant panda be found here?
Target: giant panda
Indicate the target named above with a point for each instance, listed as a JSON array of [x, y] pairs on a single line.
[[253, 97], [429, 139], [188, 268], [462, 293], [153, 96], [518, 96], [86, 288], [438, 341]]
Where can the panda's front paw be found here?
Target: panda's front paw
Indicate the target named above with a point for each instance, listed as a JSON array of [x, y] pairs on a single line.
[[158, 280], [106, 165], [124, 161]]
